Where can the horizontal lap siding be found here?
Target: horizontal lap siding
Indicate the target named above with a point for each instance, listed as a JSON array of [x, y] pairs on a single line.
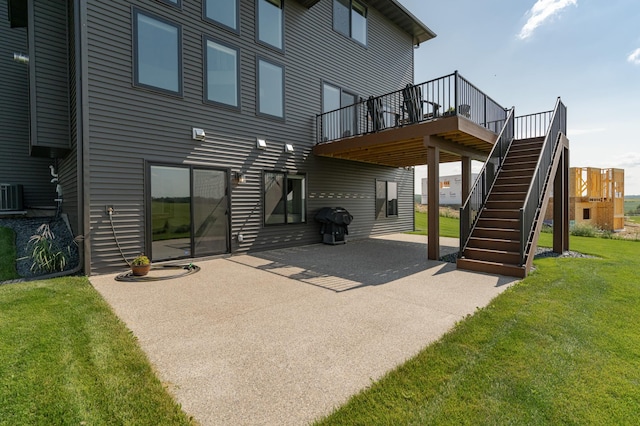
[[130, 125], [68, 169], [16, 166], [51, 75]]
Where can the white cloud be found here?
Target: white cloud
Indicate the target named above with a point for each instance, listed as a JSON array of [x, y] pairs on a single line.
[[542, 11], [630, 159], [634, 58]]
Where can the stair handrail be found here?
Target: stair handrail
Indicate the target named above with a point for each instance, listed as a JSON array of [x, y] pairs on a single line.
[[535, 194], [481, 188]]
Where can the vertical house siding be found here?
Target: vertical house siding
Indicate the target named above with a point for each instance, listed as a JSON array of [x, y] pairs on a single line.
[[130, 126], [16, 166]]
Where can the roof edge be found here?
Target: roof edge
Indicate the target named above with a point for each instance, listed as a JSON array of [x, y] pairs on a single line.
[[419, 30]]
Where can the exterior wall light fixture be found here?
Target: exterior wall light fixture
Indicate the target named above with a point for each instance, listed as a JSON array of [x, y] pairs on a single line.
[[288, 148], [239, 177], [21, 58], [198, 134], [261, 144]]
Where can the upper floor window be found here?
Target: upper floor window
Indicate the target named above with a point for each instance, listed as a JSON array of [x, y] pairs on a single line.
[[223, 12], [350, 19], [221, 73], [270, 19], [177, 3], [157, 53], [270, 88]]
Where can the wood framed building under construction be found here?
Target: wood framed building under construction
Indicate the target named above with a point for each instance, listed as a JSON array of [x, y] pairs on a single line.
[[596, 197]]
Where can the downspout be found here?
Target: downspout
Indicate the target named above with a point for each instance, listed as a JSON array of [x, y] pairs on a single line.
[[82, 121]]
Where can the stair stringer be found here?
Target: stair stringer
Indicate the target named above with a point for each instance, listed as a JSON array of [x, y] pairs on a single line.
[[534, 235]]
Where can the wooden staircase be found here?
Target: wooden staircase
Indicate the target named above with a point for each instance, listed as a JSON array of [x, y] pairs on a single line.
[[494, 244]]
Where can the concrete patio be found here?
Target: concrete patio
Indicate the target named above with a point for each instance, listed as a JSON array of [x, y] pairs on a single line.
[[282, 337]]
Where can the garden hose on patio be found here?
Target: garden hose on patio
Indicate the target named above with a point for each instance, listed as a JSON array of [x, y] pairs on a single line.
[[187, 270], [115, 237]]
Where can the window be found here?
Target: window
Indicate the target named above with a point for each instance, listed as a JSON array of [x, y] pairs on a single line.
[[177, 3], [284, 198], [586, 214], [341, 123], [381, 198], [386, 198], [350, 19], [445, 184], [221, 73], [392, 199], [157, 53], [270, 28], [224, 12], [270, 89]]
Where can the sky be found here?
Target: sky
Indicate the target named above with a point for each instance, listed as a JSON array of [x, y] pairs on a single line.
[[526, 53]]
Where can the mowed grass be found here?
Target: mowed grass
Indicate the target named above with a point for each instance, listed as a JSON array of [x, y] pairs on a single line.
[[634, 219], [65, 359], [560, 347], [449, 227], [7, 254]]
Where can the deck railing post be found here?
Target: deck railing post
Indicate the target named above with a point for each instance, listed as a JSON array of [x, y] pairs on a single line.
[[456, 93]]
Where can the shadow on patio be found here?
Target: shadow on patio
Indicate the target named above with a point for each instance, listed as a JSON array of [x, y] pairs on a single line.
[[358, 263]]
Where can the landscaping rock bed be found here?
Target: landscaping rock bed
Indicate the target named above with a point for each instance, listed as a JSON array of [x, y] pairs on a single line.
[[24, 228], [540, 253]]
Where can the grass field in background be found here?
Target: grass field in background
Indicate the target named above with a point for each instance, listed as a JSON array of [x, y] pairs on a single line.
[[631, 203], [449, 227]]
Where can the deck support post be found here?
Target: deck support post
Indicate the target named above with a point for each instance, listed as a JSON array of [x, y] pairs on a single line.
[[433, 200], [561, 204], [466, 178]]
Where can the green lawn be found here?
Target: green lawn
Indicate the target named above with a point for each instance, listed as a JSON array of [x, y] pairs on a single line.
[[634, 219], [560, 347], [65, 359], [7, 254], [449, 227]]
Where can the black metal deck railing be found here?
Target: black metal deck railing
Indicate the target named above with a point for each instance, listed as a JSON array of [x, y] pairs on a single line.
[[442, 97], [478, 194], [541, 177], [532, 125], [546, 124]]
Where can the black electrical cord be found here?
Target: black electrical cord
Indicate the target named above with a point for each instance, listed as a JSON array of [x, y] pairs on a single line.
[[188, 270]]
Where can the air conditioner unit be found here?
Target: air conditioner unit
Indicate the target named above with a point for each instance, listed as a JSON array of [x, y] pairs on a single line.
[[10, 197]]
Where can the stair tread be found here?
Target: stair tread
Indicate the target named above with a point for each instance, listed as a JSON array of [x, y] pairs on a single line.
[[484, 250], [490, 262], [497, 240], [490, 228]]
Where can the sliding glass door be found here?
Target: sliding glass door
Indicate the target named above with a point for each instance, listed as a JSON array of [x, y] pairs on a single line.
[[189, 212]]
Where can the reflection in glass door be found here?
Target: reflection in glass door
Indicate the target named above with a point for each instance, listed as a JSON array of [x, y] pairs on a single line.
[[170, 212], [210, 221], [188, 212]]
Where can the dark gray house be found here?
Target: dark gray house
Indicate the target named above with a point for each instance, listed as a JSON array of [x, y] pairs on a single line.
[[187, 127]]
